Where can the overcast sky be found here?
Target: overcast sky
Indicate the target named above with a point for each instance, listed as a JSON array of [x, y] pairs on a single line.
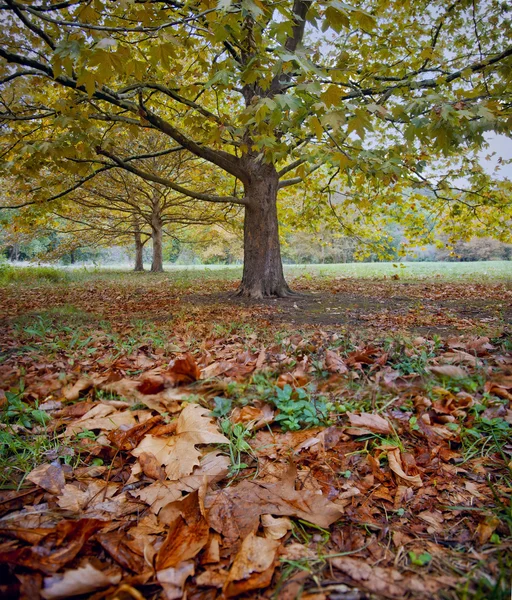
[[502, 146]]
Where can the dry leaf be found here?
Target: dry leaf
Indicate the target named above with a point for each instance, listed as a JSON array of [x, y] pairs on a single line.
[[178, 453], [395, 464], [214, 467], [187, 535], [450, 371], [104, 417], [151, 467], [173, 579], [275, 529], [50, 477], [486, 528], [72, 393], [75, 582], [256, 554], [235, 511], [181, 371], [387, 582], [375, 423], [334, 363]]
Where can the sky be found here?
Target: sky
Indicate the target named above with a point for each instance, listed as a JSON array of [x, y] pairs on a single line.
[[502, 147]]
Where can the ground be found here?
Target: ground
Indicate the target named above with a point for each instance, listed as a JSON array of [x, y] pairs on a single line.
[[161, 437]]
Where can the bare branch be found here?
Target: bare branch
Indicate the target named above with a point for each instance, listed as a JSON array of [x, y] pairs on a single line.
[[168, 183]]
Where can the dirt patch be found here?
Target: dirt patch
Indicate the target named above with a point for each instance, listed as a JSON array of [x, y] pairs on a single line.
[[435, 314]]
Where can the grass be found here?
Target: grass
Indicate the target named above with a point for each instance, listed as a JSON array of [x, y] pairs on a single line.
[[185, 275], [500, 270]]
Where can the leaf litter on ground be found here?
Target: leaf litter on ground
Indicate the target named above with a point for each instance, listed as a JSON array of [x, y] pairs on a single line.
[[400, 489]]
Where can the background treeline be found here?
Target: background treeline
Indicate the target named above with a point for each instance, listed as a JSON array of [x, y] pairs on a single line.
[[222, 247]]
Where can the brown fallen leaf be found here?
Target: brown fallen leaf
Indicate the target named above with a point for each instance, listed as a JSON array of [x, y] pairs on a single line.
[[104, 417], [50, 477], [256, 555], [450, 371], [182, 370], [76, 582], [374, 423], [72, 392], [115, 544], [395, 464], [275, 529], [128, 440], [253, 417], [459, 358], [213, 467], [297, 378], [57, 548], [150, 466], [172, 579], [179, 453], [486, 528], [334, 363], [389, 582], [187, 535], [235, 511]]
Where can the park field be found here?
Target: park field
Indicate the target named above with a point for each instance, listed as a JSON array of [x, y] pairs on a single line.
[[363, 425]]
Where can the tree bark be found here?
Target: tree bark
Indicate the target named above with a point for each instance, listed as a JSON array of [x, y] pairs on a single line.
[[263, 270], [156, 235], [139, 247]]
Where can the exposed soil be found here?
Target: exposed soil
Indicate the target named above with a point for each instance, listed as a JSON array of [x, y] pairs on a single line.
[[374, 305]]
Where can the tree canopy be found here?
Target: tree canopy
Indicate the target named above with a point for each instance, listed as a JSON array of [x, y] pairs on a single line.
[[383, 102]]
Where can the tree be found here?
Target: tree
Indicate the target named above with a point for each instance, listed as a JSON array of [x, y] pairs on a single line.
[[266, 92], [118, 203]]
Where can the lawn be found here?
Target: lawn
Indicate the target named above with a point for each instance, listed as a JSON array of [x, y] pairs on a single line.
[[351, 442]]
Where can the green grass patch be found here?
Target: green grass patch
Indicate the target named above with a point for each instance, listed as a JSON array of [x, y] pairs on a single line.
[[32, 275]]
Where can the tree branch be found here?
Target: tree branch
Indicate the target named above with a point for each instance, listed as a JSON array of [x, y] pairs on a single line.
[[33, 28], [168, 183]]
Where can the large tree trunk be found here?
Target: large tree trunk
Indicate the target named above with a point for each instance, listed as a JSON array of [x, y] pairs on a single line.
[[139, 247], [263, 270], [156, 235]]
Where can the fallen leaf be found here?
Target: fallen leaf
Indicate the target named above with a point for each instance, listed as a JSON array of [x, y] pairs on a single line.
[[187, 535], [395, 464], [388, 582], [235, 511], [450, 371], [334, 363], [486, 528], [50, 477], [172, 579], [57, 548], [104, 417], [256, 554], [375, 423], [179, 453], [72, 392], [275, 529], [75, 582], [150, 466], [182, 370]]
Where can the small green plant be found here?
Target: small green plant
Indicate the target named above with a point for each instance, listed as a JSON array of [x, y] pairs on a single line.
[[485, 436], [18, 412], [420, 560], [86, 434], [222, 406], [297, 408], [238, 444]]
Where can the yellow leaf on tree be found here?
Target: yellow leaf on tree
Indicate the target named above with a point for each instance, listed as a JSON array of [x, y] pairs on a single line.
[[317, 127]]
